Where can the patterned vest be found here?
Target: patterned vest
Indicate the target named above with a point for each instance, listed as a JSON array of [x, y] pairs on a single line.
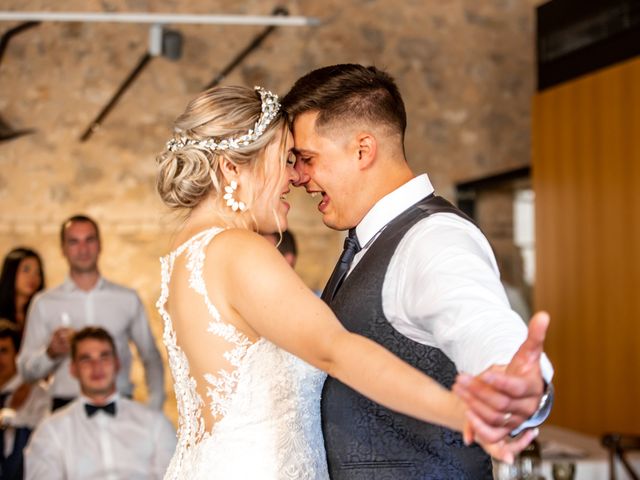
[[363, 439]]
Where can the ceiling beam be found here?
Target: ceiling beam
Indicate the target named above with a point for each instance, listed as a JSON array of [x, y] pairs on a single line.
[[159, 18]]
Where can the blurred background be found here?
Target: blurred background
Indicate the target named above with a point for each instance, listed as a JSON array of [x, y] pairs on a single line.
[[524, 113]]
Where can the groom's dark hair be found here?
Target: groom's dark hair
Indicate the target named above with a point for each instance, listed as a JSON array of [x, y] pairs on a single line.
[[347, 93]]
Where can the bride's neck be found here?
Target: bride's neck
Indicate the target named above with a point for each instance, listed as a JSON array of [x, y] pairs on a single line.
[[207, 214]]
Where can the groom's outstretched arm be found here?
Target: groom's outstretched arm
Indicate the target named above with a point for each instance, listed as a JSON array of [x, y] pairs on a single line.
[[514, 397]]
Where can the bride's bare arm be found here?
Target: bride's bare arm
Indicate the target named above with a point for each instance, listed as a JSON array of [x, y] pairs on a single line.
[[277, 305], [274, 302]]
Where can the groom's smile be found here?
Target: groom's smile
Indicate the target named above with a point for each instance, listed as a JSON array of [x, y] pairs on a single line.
[[324, 199]]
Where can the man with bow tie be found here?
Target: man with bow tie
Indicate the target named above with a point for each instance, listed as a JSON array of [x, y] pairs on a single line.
[[100, 434]]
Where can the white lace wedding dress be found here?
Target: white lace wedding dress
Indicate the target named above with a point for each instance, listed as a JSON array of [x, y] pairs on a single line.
[[269, 404]]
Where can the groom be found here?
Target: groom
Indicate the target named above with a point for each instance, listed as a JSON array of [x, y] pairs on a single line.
[[418, 277]]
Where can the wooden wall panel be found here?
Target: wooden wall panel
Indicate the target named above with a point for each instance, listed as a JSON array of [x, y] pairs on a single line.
[[586, 176]]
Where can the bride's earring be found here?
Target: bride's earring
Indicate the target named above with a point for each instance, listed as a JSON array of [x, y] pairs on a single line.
[[234, 204]]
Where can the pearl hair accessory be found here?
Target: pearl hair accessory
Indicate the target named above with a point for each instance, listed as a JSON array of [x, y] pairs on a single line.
[[270, 108], [232, 202]]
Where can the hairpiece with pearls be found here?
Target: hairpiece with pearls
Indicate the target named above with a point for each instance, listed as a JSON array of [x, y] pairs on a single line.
[[270, 109]]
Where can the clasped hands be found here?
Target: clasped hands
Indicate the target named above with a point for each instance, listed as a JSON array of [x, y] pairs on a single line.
[[502, 397]]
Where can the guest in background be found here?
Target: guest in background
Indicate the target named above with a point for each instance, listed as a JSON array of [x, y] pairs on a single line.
[[86, 298], [100, 434], [22, 405], [22, 277], [288, 248]]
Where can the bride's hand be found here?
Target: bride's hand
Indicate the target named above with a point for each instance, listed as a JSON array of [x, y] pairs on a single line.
[[505, 449]]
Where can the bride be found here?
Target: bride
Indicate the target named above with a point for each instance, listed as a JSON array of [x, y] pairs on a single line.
[[248, 342]]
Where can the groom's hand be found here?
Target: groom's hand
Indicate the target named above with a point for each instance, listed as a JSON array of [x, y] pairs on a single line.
[[502, 397]]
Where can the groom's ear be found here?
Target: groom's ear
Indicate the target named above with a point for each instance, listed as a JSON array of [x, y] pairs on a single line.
[[367, 149]]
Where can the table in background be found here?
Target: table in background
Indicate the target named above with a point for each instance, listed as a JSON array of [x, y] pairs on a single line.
[[591, 458]]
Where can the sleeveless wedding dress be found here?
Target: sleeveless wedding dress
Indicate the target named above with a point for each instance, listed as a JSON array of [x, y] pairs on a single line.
[[268, 404]]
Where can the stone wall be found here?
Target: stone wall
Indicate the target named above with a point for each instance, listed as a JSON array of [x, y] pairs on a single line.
[[465, 68]]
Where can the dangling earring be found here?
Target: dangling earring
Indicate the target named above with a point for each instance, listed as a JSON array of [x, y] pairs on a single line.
[[232, 202]]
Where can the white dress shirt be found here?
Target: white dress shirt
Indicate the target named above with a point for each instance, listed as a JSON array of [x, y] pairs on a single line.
[[442, 287], [31, 412], [113, 307], [134, 444]]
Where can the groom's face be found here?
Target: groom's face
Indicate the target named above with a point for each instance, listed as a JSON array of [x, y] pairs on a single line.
[[327, 165]]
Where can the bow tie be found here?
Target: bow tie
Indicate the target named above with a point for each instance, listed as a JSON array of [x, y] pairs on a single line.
[[109, 408]]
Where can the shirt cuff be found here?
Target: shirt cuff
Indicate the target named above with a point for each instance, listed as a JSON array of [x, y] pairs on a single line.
[[546, 369], [39, 365]]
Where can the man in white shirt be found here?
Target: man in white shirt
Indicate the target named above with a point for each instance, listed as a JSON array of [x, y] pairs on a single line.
[[416, 276], [100, 434], [22, 405], [86, 298]]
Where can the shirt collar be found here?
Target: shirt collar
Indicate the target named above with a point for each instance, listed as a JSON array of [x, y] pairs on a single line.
[[392, 205], [70, 286], [113, 398]]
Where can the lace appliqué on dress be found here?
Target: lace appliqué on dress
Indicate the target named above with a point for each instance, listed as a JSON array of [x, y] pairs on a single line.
[[222, 385], [268, 406]]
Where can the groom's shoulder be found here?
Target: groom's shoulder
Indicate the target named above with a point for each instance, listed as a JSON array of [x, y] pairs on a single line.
[[444, 231]]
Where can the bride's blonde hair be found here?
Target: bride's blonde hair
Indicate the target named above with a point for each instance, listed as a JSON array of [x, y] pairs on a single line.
[[188, 174]]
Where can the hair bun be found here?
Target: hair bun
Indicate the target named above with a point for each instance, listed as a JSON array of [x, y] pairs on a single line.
[[184, 177]]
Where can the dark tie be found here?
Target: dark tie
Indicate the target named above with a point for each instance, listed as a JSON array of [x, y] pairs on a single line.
[[91, 410], [351, 247]]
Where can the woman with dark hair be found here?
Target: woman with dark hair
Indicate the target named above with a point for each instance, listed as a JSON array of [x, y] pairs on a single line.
[[22, 277]]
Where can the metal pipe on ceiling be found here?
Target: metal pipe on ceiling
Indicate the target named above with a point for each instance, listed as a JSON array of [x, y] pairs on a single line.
[[159, 18]]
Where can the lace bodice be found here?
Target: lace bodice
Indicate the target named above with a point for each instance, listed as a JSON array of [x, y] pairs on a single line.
[[268, 403]]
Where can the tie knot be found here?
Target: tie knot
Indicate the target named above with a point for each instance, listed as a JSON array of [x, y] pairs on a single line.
[[351, 242], [351, 247]]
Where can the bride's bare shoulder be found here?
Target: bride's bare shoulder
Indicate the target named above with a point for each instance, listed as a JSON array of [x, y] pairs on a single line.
[[236, 252], [242, 236], [236, 243]]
